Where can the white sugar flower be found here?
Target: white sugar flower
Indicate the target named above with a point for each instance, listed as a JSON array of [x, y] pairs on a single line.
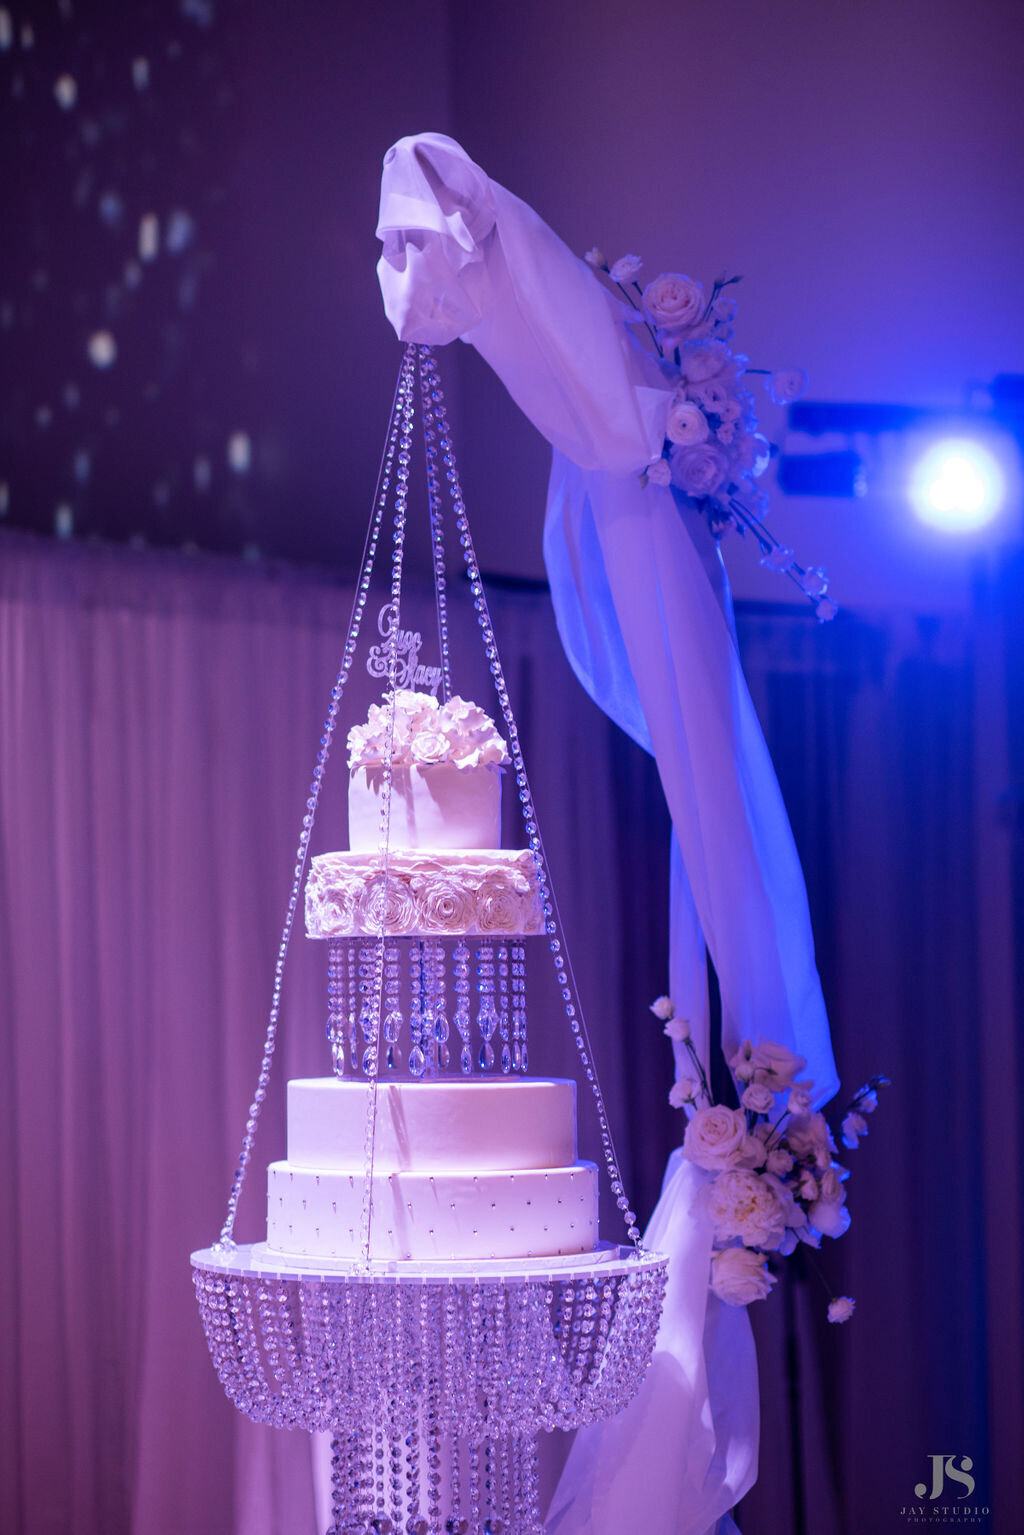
[[663, 1008], [626, 269], [841, 1309], [786, 385]]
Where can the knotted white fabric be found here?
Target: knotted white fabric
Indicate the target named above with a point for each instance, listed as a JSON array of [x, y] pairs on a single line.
[[642, 609]]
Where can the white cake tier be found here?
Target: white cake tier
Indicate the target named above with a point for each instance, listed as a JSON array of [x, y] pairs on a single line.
[[432, 805], [540, 1212], [434, 893], [442, 1126]]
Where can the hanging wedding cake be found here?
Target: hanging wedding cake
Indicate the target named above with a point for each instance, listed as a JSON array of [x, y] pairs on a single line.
[[463, 1167]]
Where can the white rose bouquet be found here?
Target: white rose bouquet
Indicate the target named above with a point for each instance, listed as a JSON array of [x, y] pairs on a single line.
[[774, 1178], [714, 452]]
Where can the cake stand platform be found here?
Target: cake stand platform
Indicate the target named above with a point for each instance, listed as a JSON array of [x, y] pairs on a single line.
[[432, 1378]]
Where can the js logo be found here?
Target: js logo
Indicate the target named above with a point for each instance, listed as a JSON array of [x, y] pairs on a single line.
[[944, 1468]]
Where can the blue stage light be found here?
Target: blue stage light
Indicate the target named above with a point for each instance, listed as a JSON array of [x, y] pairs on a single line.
[[957, 485]]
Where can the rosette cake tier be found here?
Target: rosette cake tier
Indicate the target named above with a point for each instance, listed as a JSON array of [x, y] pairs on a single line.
[[463, 1167]]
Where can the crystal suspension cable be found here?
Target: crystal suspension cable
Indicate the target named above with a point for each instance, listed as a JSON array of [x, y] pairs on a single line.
[[552, 921], [371, 1055], [403, 394], [428, 384]]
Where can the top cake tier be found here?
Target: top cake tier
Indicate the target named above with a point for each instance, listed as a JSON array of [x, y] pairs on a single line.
[[445, 776]]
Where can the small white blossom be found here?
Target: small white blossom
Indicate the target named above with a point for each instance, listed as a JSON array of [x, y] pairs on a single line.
[[595, 258], [659, 473], [757, 1098], [854, 1126], [678, 1029], [626, 269], [684, 1091], [814, 582], [826, 609], [799, 1100], [786, 385], [779, 558], [841, 1309], [663, 1008]]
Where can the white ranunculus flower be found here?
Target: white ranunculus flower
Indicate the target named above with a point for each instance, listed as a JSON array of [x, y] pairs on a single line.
[[674, 300], [663, 1008], [699, 471], [712, 395], [626, 269], [686, 423], [716, 1138], [739, 1276]]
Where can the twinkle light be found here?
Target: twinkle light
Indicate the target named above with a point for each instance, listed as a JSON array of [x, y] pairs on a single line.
[[957, 485]]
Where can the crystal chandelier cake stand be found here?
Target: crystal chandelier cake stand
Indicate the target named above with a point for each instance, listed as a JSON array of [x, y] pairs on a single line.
[[431, 1377]]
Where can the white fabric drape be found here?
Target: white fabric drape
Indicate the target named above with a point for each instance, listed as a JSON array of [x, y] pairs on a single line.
[[647, 634]]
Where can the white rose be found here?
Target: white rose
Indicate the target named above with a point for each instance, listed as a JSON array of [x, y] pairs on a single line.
[[658, 473], [712, 395], [758, 1098], [755, 1207], [699, 471], [674, 300], [716, 1137], [700, 360], [739, 1276], [686, 423], [786, 385], [663, 1008], [841, 1309], [625, 269]]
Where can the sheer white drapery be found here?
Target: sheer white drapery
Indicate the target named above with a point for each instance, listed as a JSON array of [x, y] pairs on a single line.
[[634, 588]]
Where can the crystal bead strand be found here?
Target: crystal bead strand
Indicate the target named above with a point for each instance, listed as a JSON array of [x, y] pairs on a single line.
[[336, 1003], [503, 1013], [403, 460], [553, 926], [428, 376], [403, 393], [353, 1002], [439, 1002], [519, 1055], [392, 1009], [430, 1328], [460, 983], [486, 1017], [417, 1053]]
